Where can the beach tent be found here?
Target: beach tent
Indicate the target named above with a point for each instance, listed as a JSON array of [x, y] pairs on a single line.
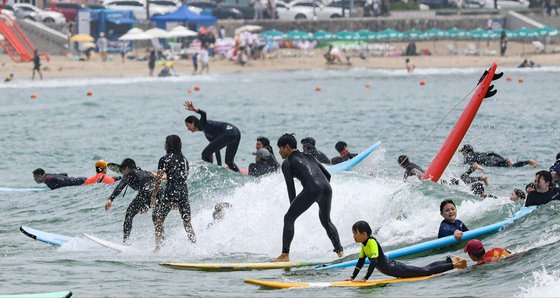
[[183, 15], [181, 31]]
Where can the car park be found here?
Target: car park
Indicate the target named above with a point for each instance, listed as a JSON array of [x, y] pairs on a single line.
[[31, 12], [69, 10]]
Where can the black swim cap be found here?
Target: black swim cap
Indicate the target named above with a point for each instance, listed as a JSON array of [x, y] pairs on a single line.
[[403, 159], [466, 148], [309, 141], [340, 146], [128, 163]]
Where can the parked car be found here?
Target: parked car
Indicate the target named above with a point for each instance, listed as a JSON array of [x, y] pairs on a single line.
[[69, 10], [138, 8], [321, 11], [31, 12], [9, 11], [475, 4], [285, 12], [204, 6], [438, 3], [508, 4], [237, 9]]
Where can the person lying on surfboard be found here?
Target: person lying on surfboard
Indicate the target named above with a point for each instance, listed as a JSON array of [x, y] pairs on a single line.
[[54, 181], [475, 250], [491, 159], [342, 149], [373, 251], [450, 225]]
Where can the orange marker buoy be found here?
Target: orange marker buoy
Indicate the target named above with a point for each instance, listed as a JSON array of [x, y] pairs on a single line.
[[422, 82], [508, 78], [189, 91], [196, 88], [367, 85], [521, 80], [33, 96], [317, 88], [89, 93]]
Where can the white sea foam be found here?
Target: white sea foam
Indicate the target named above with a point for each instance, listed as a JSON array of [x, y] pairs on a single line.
[[544, 284]]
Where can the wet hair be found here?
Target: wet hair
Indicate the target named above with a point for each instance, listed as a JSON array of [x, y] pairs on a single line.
[[287, 139], [518, 192], [128, 163], [407, 60], [558, 156], [477, 189], [192, 120], [340, 145], [309, 142], [546, 175], [467, 149], [173, 144], [38, 171], [264, 140], [403, 160], [445, 202], [361, 227]]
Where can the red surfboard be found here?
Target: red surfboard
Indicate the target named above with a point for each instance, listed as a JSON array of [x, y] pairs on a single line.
[[440, 162]]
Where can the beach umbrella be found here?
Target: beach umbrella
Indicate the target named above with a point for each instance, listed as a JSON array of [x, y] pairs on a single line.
[[322, 35], [134, 30], [389, 34], [157, 33], [272, 34], [181, 31], [456, 33], [546, 31], [297, 35], [523, 33], [347, 35], [248, 28], [137, 36], [81, 38], [436, 33], [366, 35], [414, 34]]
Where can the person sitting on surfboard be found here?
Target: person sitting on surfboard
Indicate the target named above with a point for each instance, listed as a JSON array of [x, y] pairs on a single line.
[[342, 149], [315, 180], [139, 180], [264, 142], [219, 134], [475, 250], [411, 169], [450, 225], [491, 159], [54, 181], [308, 145], [544, 191], [263, 163], [101, 174], [373, 251]]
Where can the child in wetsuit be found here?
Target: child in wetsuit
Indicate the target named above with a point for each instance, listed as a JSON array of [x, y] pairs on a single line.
[[476, 251], [373, 251], [450, 225]]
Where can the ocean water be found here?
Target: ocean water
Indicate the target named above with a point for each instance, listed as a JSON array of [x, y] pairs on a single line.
[[63, 130]]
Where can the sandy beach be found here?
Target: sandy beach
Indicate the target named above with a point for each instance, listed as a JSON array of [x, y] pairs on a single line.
[[287, 59]]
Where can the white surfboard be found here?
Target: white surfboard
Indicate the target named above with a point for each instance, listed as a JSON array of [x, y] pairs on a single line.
[[113, 245]]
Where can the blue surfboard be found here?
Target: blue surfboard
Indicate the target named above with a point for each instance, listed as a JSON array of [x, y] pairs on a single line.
[[351, 163], [49, 238], [441, 242]]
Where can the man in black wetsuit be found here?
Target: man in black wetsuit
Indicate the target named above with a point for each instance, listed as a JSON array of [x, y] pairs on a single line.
[[309, 148], [544, 192], [316, 189], [263, 164], [54, 181], [139, 180], [491, 159], [411, 169], [342, 149], [220, 135]]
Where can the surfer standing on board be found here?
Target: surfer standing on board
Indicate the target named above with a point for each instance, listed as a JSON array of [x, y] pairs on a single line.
[[491, 159], [373, 251], [220, 135], [315, 180]]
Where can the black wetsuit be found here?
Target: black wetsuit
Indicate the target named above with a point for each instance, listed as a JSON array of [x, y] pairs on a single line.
[[319, 156], [339, 159], [466, 176], [316, 188], [141, 181], [262, 167], [54, 181], [490, 159], [176, 167], [395, 268], [448, 228], [540, 198], [36, 62], [220, 135], [413, 170]]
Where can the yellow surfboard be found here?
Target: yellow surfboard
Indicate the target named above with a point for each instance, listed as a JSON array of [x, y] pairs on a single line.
[[369, 283], [237, 266]]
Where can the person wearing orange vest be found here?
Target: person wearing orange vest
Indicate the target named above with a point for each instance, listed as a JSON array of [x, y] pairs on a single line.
[[476, 251], [101, 176]]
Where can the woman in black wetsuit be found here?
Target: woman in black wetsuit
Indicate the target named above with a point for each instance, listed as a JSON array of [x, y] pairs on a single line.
[[219, 134], [316, 189], [176, 167]]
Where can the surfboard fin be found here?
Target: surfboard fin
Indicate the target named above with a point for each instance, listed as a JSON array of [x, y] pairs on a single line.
[[482, 77], [497, 76], [490, 92]]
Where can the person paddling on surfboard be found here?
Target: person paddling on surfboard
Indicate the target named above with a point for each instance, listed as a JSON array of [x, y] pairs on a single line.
[[476, 251], [373, 251], [491, 159], [342, 149], [219, 134], [176, 167], [315, 180], [139, 180], [54, 181], [101, 174]]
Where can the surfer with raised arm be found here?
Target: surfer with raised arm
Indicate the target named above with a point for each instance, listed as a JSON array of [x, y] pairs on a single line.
[[219, 134], [315, 180], [372, 250], [491, 159]]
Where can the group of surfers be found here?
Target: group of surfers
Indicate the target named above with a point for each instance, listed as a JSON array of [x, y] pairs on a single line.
[[305, 166]]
